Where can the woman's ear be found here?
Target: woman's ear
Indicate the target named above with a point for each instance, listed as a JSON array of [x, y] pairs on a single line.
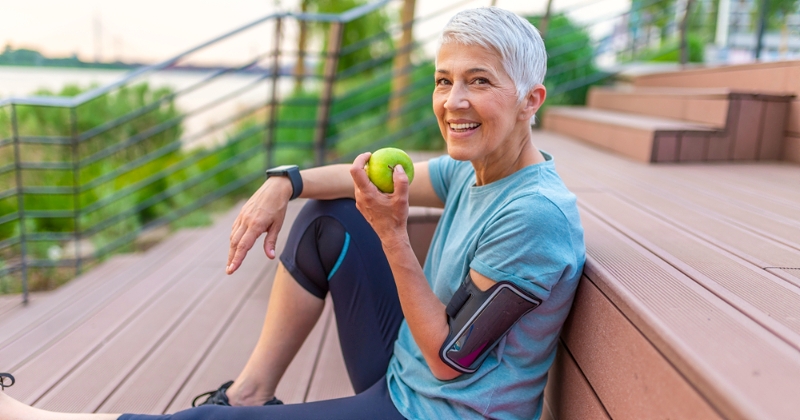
[[532, 102]]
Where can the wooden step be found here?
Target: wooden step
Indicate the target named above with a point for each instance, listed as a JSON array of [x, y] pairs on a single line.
[[705, 106], [642, 138], [742, 369], [748, 124], [687, 301]]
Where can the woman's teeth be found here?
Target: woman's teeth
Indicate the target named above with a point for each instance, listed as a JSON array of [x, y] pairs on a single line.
[[467, 126]]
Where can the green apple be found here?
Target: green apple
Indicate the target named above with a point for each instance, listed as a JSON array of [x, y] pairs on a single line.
[[380, 167]]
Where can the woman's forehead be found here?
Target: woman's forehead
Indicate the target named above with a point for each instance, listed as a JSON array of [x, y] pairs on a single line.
[[457, 57]]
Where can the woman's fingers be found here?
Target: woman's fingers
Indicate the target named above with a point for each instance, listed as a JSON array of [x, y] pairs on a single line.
[[400, 181], [241, 247], [357, 171], [271, 240], [236, 234]]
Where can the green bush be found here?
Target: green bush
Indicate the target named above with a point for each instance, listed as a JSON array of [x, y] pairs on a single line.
[[131, 174], [670, 52], [570, 62]]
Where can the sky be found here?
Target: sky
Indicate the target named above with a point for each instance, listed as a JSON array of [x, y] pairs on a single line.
[[153, 30]]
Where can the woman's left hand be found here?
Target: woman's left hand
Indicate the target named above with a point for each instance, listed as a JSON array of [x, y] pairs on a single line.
[[386, 213]]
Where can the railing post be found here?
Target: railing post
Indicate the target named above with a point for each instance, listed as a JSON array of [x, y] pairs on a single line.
[[402, 64], [684, 35], [20, 202], [329, 78], [273, 100], [76, 189], [762, 26]]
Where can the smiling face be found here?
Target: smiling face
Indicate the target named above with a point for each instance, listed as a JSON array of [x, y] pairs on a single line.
[[476, 105]]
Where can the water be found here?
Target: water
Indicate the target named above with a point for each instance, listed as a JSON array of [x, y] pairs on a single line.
[[24, 81]]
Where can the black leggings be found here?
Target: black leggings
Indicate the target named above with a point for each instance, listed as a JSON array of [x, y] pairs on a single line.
[[331, 248]]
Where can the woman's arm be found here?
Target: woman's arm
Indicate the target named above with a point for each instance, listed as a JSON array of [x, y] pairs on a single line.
[[265, 211], [387, 214]]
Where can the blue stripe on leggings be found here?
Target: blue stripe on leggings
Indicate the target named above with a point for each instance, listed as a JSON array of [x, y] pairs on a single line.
[[341, 255]]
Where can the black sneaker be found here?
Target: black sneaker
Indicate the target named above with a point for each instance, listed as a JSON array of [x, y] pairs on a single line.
[[219, 397], [6, 376]]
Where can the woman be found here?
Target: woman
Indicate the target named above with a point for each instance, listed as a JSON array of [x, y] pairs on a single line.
[[508, 220]]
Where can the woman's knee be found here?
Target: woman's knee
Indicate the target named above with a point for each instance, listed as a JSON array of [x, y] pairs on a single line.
[[316, 242]]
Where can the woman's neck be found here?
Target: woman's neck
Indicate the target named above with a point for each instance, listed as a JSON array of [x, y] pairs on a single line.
[[507, 161]]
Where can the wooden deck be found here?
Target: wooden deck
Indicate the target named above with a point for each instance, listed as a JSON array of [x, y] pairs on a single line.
[[689, 308], [146, 333]]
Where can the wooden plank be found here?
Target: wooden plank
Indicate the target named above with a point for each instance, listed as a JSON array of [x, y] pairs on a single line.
[[330, 379], [696, 221], [631, 378], [10, 305], [568, 395], [230, 352], [694, 147], [632, 121], [747, 131], [44, 356], [694, 329], [772, 130], [622, 176], [38, 311], [95, 332], [156, 379], [59, 322], [767, 299], [88, 384]]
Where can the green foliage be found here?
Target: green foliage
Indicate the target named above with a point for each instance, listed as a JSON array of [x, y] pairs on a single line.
[[132, 171], [570, 62], [777, 13], [670, 52], [653, 13], [368, 26], [361, 120]]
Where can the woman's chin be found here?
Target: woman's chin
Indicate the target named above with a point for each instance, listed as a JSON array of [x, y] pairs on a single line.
[[457, 153]]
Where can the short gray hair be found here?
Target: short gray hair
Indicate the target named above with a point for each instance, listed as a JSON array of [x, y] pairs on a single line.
[[517, 41]]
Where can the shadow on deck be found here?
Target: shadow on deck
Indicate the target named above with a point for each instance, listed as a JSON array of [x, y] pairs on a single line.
[[689, 308]]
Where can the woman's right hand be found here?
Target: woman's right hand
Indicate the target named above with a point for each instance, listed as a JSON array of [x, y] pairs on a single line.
[[264, 212]]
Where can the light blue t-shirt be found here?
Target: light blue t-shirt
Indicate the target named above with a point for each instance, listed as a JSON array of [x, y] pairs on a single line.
[[524, 229]]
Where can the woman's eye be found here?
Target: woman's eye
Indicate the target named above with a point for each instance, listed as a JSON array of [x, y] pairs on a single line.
[[481, 81], [440, 82]]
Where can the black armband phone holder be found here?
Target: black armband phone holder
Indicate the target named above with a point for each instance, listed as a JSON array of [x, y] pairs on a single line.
[[479, 319]]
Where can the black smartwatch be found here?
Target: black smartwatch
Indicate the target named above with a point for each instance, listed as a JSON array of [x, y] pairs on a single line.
[[293, 173]]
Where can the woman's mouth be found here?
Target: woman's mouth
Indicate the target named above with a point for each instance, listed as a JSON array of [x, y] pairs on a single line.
[[463, 128]]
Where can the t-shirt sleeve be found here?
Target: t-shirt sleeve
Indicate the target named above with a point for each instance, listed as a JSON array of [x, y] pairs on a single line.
[[529, 244], [442, 170]]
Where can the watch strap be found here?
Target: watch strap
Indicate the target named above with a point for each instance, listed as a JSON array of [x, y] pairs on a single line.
[[293, 173], [297, 181]]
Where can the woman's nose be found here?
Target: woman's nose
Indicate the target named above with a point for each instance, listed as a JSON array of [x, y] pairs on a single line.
[[457, 99]]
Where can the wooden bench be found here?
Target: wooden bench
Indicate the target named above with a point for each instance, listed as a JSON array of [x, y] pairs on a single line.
[[682, 312]]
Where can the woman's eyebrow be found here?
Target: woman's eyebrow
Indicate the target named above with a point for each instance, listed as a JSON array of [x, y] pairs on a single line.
[[470, 71]]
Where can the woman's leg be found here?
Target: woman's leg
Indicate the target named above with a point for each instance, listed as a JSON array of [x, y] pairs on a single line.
[[365, 301], [11, 409], [372, 404], [330, 248], [291, 314]]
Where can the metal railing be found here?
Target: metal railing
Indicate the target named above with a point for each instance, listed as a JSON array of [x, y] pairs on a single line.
[[82, 177]]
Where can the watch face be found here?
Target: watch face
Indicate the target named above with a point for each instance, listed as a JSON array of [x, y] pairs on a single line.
[[279, 169]]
